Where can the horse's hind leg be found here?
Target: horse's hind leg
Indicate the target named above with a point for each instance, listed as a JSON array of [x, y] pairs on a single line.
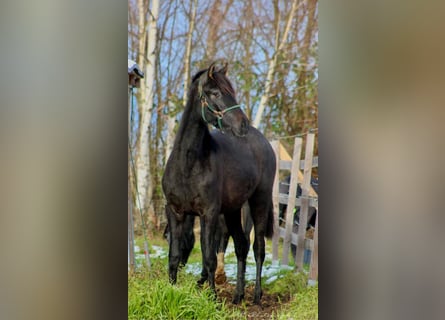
[[176, 234], [222, 239], [233, 222], [259, 212]]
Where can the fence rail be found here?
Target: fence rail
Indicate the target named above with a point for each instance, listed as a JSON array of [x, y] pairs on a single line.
[[287, 164]]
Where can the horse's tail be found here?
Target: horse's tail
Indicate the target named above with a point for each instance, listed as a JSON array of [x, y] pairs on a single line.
[[270, 222]]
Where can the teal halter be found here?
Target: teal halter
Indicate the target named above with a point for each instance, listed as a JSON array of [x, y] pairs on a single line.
[[218, 114]]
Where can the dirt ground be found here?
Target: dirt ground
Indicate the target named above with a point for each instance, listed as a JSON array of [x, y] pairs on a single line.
[[270, 303]]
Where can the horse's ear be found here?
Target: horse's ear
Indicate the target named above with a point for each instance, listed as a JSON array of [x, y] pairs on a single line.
[[224, 68], [211, 70]]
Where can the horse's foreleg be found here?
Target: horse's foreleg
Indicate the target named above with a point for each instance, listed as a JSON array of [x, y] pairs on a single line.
[[188, 241], [208, 229], [174, 254], [204, 273], [241, 250]]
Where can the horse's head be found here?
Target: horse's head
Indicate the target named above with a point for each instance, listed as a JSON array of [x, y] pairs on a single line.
[[218, 103]]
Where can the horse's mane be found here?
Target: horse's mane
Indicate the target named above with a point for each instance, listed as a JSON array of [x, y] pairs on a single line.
[[198, 74], [220, 79]]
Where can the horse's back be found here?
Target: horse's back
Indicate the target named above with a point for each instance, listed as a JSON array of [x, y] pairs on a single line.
[[253, 144]]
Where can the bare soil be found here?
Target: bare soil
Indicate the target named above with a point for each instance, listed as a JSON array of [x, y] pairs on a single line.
[[270, 303]]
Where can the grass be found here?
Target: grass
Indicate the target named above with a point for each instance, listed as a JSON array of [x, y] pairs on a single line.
[[303, 306], [151, 296], [287, 284]]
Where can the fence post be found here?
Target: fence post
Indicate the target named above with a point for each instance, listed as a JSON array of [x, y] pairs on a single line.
[[304, 209], [276, 201], [291, 199]]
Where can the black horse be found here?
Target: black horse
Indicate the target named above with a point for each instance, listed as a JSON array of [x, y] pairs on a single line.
[[209, 173], [222, 235]]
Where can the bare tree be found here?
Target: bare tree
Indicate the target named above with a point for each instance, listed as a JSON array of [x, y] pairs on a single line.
[[171, 121], [272, 64], [144, 187]]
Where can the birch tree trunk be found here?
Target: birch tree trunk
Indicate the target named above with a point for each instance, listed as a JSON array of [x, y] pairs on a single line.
[[273, 65], [171, 121], [145, 189], [187, 60], [188, 53], [140, 96], [142, 34]]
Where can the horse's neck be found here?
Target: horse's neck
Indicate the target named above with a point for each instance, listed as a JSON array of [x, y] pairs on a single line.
[[192, 132]]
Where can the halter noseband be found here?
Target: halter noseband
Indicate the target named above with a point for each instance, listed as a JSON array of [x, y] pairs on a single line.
[[218, 114]]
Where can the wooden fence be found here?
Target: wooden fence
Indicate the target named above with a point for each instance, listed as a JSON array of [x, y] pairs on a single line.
[[309, 198]]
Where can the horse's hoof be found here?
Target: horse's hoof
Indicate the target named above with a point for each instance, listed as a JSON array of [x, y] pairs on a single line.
[[172, 280], [220, 278], [201, 281], [257, 298], [237, 298]]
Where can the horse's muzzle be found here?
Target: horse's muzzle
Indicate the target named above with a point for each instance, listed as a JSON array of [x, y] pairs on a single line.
[[243, 128]]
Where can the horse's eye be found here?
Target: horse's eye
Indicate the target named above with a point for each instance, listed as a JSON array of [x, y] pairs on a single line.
[[216, 94]]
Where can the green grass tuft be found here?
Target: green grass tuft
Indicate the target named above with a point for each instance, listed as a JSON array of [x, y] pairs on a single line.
[[303, 306], [151, 296], [287, 284]]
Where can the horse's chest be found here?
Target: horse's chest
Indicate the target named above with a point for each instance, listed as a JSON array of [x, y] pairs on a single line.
[[185, 200], [189, 187], [184, 196]]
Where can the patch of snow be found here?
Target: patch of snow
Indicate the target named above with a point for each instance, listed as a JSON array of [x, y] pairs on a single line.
[[271, 279], [271, 269], [193, 268], [270, 272], [158, 252]]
